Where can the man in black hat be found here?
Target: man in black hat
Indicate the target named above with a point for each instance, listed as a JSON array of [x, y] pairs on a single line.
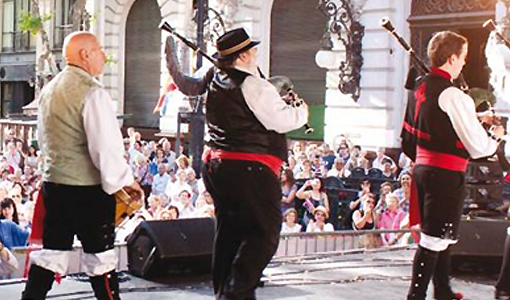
[[247, 120]]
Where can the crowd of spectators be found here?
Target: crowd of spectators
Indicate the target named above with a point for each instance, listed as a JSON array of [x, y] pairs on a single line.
[[325, 189], [173, 191]]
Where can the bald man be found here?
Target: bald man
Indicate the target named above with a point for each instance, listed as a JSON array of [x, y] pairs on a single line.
[[83, 167]]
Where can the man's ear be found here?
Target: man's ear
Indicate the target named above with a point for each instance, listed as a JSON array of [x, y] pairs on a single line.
[[243, 56], [84, 54], [453, 58]]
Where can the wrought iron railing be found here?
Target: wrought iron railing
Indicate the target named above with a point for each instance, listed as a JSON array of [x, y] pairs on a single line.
[[16, 41], [60, 34]]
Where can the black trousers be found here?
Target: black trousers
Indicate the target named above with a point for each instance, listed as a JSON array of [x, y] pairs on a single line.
[[247, 198], [441, 195], [85, 211]]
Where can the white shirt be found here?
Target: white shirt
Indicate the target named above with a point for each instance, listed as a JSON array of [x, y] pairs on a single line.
[[159, 184], [328, 227], [335, 173], [105, 144], [295, 229], [268, 107], [377, 163], [8, 266], [460, 108]]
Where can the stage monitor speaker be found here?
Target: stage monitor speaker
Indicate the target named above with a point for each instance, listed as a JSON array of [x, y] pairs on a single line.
[[481, 237], [160, 248]]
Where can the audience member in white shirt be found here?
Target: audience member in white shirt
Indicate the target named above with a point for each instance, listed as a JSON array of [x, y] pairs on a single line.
[[319, 224], [290, 224], [160, 180]]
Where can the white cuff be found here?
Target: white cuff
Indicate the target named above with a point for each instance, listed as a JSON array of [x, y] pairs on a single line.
[[434, 243], [53, 260], [95, 264]]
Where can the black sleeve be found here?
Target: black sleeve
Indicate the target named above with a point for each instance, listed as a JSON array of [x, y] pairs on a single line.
[[187, 85]]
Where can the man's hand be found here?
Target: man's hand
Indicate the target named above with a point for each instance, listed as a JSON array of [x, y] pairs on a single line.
[[135, 191], [498, 131]]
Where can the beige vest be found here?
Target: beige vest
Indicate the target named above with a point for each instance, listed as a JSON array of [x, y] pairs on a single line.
[[64, 145]]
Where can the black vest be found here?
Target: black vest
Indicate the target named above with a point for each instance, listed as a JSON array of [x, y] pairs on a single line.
[[232, 125], [434, 129]]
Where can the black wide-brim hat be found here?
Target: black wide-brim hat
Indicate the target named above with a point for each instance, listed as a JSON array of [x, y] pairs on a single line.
[[233, 42]]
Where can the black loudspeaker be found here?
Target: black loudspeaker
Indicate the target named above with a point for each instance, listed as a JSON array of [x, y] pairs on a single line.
[[481, 237], [160, 248]]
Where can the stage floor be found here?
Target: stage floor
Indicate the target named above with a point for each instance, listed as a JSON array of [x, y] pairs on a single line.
[[381, 275]]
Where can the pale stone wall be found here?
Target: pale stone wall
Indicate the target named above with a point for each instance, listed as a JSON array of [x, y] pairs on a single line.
[[375, 119]]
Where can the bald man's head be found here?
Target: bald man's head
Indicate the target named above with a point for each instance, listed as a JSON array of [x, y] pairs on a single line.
[[82, 49]]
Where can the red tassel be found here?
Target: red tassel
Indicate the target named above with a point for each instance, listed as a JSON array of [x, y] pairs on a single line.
[[58, 278]]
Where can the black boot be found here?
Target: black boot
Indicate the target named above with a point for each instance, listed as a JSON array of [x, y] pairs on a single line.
[[441, 278], [424, 264], [503, 284], [38, 284], [106, 286]]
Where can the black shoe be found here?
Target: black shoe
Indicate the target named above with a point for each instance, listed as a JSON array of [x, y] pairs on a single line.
[[502, 295]]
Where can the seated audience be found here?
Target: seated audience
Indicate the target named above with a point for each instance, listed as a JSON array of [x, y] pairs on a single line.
[[386, 188], [364, 217], [365, 187], [388, 171], [9, 211], [314, 197], [203, 200], [357, 159], [161, 179], [339, 170], [290, 224], [318, 224], [155, 206], [306, 172], [328, 156], [391, 218], [170, 213], [289, 190], [404, 192], [344, 152], [378, 161], [12, 235]]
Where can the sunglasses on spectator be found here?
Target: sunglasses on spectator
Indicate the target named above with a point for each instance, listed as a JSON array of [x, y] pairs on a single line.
[[16, 196]]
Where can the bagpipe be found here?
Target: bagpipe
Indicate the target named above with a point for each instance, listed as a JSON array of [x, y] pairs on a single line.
[[283, 84]]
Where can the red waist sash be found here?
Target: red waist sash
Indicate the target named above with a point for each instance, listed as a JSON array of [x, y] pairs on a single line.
[[272, 162], [441, 160]]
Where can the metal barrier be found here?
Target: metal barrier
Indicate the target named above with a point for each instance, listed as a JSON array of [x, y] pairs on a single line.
[[298, 244], [291, 245]]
